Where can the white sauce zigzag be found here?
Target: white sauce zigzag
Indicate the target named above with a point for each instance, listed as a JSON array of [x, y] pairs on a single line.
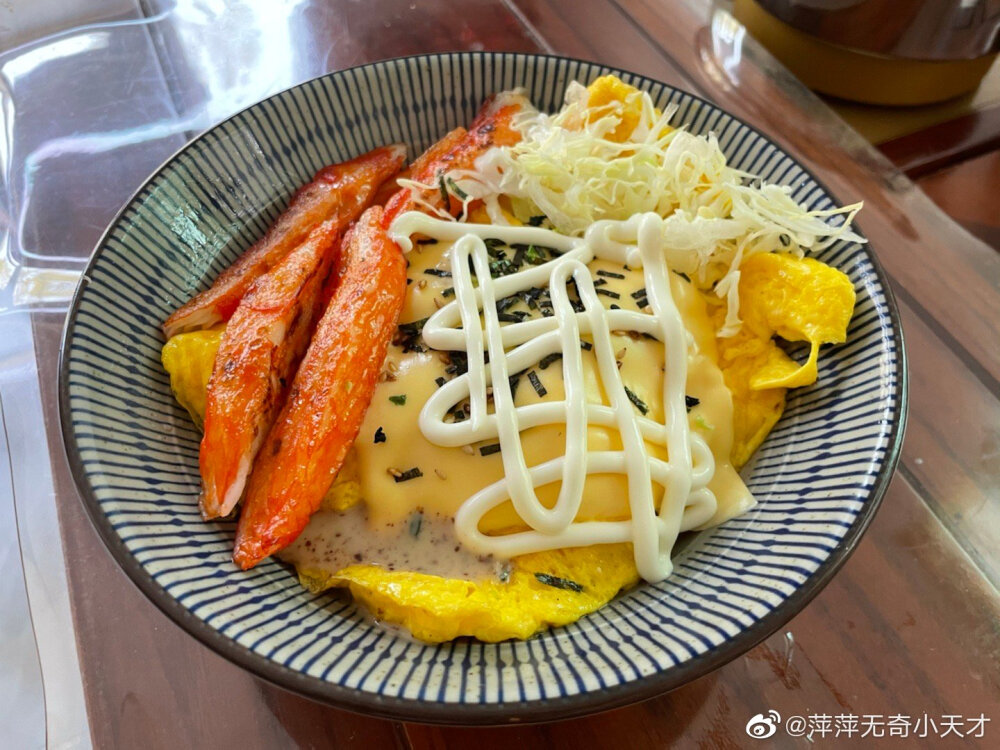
[[687, 502]]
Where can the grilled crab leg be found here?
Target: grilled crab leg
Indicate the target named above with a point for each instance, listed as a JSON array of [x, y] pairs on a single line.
[[339, 192], [260, 348], [269, 331], [329, 397]]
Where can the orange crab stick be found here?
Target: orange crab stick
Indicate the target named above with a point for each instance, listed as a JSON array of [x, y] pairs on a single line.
[[339, 192], [493, 126], [328, 399], [260, 348]]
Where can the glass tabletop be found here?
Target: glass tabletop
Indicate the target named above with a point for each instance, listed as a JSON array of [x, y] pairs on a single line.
[[93, 104]]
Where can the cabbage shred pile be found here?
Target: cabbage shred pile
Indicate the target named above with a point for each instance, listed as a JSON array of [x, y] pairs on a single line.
[[577, 167]]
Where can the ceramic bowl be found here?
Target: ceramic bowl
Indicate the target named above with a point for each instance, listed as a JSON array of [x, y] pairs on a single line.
[[134, 452]]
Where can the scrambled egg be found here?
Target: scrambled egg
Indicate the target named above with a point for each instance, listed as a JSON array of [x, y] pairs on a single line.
[[188, 358], [618, 97], [544, 589], [796, 299]]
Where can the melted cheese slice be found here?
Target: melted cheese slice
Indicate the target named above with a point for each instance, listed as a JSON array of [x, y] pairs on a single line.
[[449, 476]]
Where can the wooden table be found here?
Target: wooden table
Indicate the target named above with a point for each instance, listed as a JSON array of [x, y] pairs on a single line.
[[911, 625]]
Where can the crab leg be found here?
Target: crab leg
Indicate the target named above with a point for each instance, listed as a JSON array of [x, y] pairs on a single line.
[[261, 345], [339, 192], [327, 401]]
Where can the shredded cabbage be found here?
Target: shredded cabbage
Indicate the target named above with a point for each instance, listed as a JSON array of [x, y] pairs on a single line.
[[567, 167]]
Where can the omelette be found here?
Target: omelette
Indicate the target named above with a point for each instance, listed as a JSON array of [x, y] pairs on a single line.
[[386, 527]]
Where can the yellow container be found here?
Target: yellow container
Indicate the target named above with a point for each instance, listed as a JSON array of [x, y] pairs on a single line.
[[858, 75]]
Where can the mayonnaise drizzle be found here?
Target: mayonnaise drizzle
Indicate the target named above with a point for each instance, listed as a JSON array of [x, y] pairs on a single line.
[[638, 242]]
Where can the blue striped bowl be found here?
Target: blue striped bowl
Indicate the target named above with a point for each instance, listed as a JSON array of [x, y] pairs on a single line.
[[134, 452]]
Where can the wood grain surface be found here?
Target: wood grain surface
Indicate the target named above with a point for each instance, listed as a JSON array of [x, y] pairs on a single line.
[[969, 192], [910, 625]]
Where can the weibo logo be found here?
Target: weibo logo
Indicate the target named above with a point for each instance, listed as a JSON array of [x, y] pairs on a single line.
[[760, 727]]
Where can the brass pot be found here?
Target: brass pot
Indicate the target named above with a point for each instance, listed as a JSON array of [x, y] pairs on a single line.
[[880, 51]]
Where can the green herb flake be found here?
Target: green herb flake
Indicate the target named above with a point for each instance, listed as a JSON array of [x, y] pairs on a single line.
[[398, 400], [456, 190], [503, 572], [416, 521], [444, 190], [534, 256]]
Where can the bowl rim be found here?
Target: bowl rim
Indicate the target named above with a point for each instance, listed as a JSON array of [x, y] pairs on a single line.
[[478, 714]]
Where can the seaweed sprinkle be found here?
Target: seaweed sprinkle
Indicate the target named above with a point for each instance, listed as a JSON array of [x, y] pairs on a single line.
[[501, 266], [459, 363], [586, 346], [407, 335], [440, 380], [639, 293], [608, 293], [503, 304], [559, 583], [379, 436], [536, 221], [513, 382], [639, 403], [691, 402], [512, 317], [610, 274], [408, 475], [536, 383], [437, 272], [548, 359], [488, 450]]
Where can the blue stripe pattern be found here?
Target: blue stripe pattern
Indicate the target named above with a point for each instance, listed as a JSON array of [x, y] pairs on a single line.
[[135, 451]]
